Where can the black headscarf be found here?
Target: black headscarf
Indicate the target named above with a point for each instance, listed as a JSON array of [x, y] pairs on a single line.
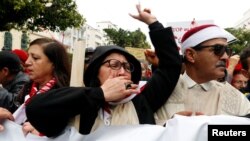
[[101, 52]]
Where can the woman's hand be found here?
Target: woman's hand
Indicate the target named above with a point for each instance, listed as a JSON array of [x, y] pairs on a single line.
[[116, 88], [144, 16], [28, 128], [4, 114]]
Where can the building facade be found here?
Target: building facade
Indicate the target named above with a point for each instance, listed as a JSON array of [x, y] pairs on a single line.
[[244, 22], [92, 37], [16, 38]]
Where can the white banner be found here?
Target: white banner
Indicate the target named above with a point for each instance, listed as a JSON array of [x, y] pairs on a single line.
[[179, 128]]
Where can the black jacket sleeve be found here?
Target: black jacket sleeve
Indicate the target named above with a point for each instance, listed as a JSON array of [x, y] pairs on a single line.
[[166, 75], [50, 112]]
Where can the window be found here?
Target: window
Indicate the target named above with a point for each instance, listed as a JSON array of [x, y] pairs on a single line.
[[7, 41], [24, 41]]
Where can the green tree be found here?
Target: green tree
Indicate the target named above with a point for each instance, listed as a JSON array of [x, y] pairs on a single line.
[[243, 38], [38, 15], [118, 37], [126, 38], [138, 39]]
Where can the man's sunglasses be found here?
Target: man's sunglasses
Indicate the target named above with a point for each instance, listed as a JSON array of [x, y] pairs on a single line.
[[219, 50]]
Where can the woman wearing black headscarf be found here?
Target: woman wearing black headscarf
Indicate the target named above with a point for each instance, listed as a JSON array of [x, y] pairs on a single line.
[[123, 72]]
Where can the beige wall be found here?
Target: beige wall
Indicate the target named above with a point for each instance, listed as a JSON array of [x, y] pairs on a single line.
[[16, 39], [1, 39]]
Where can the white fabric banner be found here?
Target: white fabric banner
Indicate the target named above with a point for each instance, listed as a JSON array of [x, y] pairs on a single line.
[[12, 132], [179, 128]]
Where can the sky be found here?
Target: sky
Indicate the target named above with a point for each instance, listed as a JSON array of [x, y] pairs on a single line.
[[223, 13]]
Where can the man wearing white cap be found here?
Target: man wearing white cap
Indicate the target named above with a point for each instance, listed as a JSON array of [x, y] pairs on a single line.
[[205, 50]]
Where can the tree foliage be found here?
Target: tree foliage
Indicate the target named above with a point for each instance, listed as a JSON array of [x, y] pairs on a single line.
[[243, 38], [126, 38], [118, 37], [38, 15]]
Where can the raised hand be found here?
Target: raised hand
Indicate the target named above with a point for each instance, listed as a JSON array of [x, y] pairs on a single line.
[[144, 16]]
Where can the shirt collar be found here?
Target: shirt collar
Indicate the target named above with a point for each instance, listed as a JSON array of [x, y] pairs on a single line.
[[191, 83]]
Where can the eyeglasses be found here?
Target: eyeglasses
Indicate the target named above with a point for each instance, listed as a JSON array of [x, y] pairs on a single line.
[[219, 50], [116, 65]]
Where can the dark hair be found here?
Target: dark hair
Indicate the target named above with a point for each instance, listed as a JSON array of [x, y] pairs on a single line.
[[244, 55], [11, 61], [88, 54], [57, 54]]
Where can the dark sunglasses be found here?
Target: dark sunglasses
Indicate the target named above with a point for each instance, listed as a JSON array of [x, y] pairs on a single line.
[[116, 65], [219, 50]]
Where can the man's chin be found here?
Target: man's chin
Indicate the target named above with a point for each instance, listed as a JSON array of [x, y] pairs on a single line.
[[221, 75]]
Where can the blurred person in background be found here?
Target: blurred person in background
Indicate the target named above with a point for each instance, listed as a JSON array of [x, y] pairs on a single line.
[[239, 80], [12, 79], [245, 62], [88, 55], [23, 56], [146, 71]]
